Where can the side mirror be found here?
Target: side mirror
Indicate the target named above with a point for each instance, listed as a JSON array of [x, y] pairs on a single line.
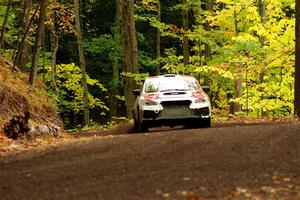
[[206, 89], [136, 92]]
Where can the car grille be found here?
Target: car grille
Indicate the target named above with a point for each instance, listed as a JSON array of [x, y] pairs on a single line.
[[175, 108]]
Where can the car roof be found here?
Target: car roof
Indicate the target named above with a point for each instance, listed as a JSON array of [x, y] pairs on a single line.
[[170, 76]]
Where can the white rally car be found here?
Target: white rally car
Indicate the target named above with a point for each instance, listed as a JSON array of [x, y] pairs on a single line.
[[171, 100]]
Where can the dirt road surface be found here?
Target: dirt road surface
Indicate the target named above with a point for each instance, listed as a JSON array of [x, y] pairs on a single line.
[[222, 162]]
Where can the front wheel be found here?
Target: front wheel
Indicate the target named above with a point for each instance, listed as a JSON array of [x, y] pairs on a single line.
[[206, 122], [136, 125], [142, 127]]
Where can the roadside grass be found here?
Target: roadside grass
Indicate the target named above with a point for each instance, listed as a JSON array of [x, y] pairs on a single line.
[[95, 126]]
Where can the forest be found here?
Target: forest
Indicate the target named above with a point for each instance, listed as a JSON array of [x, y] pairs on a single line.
[[91, 54]]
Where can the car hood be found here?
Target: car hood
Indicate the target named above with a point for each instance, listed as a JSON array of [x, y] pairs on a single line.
[[173, 96]]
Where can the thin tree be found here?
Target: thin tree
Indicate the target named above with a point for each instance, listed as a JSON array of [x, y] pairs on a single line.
[[297, 62], [54, 48], [262, 39], [238, 82], [158, 33], [82, 63], [38, 42], [25, 20], [185, 27], [209, 8], [117, 59], [7, 13], [130, 61], [198, 20]]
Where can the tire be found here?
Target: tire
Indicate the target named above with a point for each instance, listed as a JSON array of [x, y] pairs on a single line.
[[143, 127], [202, 123], [206, 123], [136, 126], [140, 126]]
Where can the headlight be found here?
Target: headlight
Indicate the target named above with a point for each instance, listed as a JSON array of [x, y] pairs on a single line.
[[150, 103]]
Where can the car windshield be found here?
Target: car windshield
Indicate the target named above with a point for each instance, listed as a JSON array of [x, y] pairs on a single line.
[[171, 84]]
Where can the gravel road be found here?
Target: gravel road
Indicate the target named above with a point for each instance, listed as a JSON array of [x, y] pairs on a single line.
[[223, 162]]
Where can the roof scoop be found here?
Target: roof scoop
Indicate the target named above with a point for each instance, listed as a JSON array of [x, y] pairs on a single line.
[[174, 93], [169, 75]]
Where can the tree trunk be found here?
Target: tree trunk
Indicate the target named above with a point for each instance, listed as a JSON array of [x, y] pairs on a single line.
[[130, 52], [198, 20], [262, 39], [185, 26], [25, 21], [38, 42], [236, 24], [54, 47], [115, 89], [117, 59], [297, 62], [209, 8], [263, 15], [238, 92], [82, 64], [83, 18], [158, 39], [5, 22], [238, 82]]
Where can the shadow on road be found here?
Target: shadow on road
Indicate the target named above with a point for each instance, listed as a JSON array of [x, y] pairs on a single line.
[[127, 128]]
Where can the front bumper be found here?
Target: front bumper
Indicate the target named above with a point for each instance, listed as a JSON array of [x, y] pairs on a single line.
[[174, 116]]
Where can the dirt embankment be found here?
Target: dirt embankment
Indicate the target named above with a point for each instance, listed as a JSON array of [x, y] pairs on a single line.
[[17, 97]]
